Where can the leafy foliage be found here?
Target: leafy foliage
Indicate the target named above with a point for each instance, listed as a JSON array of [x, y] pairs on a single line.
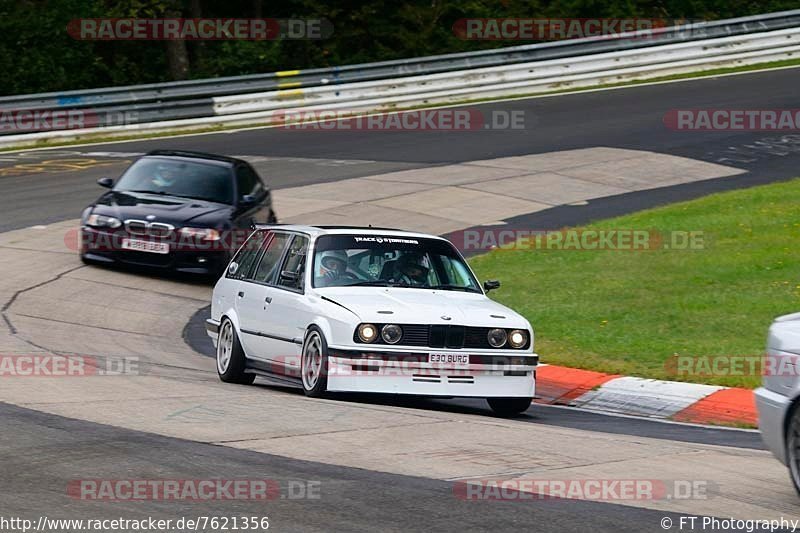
[[38, 55]]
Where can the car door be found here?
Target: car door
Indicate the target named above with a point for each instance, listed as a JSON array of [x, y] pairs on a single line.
[[230, 284], [290, 309], [254, 299]]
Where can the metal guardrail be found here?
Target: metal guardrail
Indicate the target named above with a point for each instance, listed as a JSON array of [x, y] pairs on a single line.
[[181, 102]]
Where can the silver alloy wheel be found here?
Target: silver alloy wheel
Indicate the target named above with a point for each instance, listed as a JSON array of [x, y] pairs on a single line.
[[793, 448], [312, 360], [225, 347]]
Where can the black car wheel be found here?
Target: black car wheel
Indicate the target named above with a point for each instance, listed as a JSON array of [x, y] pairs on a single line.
[[793, 448]]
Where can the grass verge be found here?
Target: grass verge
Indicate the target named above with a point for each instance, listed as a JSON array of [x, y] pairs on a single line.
[[631, 312]]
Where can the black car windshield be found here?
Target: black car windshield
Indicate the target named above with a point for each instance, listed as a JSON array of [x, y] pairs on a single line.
[[177, 177], [390, 261]]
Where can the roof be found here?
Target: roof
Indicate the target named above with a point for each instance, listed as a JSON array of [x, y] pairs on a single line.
[[195, 155], [346, 230]]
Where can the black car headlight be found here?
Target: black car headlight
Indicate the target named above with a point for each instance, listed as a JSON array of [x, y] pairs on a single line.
[[497, 337], [204, 234], [103, 221], [391, 333], [518, 338]]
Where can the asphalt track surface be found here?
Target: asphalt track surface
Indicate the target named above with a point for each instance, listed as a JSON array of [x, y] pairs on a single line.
[[623, 118], [42, 452]]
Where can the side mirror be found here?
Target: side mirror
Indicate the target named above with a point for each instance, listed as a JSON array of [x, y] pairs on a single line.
[[233, 268], [248, 200], [491, 284], [105, 182], [288, 275]]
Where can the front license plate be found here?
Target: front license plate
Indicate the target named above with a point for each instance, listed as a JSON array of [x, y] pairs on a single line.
[[138, 245], [449, 358]]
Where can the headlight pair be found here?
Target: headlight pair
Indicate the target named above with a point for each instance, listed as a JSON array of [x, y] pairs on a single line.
[[498, 338], [390, 333]]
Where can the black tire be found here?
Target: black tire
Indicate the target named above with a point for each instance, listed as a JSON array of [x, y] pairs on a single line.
[[793, 448], [509, 406], [233, 372], [314, 341]]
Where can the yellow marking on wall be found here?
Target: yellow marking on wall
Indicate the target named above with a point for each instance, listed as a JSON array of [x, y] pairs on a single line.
[[296, 93], [284, 73]]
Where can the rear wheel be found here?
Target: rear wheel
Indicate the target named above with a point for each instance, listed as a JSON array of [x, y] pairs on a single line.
[[314, 364], [793, 448], [230, 356], [509, 406]]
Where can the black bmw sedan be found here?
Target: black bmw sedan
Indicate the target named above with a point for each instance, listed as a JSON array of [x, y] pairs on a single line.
[[182, 211]]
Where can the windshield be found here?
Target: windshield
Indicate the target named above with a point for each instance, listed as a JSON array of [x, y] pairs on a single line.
[[390, 261], [173, 177]]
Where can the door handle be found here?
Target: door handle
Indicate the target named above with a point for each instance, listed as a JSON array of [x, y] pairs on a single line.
[[268, 300], [241, 294]]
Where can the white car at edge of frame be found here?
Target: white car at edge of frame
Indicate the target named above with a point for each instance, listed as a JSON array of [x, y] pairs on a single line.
[[346, 309], [778, 399]]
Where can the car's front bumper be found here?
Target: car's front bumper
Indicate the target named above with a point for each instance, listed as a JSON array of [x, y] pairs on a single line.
[[102, 247], [486, 376], [772, 409]]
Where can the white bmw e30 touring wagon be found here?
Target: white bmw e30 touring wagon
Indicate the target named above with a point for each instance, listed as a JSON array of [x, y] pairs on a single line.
[[368, 310]]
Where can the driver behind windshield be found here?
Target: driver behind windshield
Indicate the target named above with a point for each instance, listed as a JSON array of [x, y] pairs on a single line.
[[165, 176], [410, 270], [334, 266]]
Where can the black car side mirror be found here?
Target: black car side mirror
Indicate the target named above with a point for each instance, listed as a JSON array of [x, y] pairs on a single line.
[[491, 284], [249, 200], [105, 182]]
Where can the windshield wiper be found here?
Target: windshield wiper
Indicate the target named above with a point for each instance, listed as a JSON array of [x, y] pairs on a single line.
[[448, 287], [165, 193], [372, 283]]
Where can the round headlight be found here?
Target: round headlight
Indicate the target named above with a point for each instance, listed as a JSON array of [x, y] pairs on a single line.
[[496, 337], [391, 333], [367, 332], [518, 338]]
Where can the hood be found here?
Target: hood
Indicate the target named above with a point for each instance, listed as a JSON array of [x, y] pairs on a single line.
[[168, 209], [423, 306]]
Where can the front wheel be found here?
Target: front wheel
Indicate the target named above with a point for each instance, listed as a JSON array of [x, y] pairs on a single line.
[[509, 406], [230, 356], [793, 449], [314, 364]]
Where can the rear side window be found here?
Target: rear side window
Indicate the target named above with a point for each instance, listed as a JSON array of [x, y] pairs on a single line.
[[295, 263], [246, 257], [269, 263]]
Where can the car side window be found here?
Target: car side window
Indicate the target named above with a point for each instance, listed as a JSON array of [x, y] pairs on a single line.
[[268, 266], [247, 255], [295, 263], [248, 182]]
